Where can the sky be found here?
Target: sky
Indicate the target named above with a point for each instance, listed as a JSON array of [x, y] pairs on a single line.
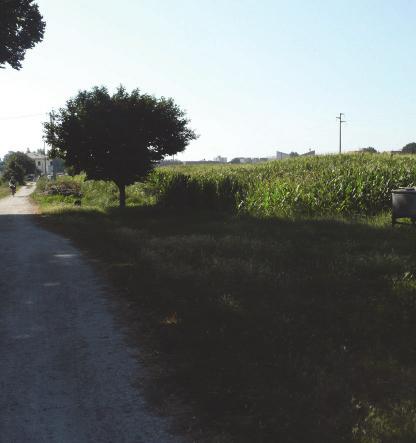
[[254, 77]]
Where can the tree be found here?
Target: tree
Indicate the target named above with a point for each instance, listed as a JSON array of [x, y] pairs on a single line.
[[410, 148], [118, 137], [21, 27], [18, 165], [294, 154], [58, 165], [369, 150]]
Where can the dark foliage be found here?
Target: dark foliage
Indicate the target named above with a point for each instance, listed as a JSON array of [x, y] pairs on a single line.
[[369, 150], [58, 165], [410, 148], [21, 27], [118, 137], [18, 165]]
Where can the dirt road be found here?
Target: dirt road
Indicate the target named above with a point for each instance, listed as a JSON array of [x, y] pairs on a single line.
[[65, 372]]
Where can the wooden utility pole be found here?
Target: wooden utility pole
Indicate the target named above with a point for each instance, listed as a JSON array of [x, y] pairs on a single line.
[[340, 131]]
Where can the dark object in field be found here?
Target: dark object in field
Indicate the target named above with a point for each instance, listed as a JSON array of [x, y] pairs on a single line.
[[77, 202], [403, 204]]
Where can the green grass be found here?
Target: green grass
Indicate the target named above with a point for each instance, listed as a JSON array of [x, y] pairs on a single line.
[[99, 194], [270, 329], [264, 311], [4, 190], [333, 185]]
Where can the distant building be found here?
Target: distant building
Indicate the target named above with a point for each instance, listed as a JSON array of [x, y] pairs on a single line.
[[242, 160], [281, 155], [43, 164], [308, 154], [170, 162], [201, 162], [220, 159], [245, 160]]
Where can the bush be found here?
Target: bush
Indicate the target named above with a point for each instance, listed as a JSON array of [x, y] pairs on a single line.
[[96, 193], [63, 186]]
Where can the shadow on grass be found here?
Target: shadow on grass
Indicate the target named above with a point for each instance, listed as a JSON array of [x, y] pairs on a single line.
[[272, 330]]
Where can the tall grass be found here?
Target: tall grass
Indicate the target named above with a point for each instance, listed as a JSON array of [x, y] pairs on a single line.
[[311, 186], [323, 185], [96, 193]]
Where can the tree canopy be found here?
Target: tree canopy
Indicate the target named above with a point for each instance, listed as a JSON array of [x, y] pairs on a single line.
[[118, 137], [18, 165], [21, 27], [410, 148], [369, 150]]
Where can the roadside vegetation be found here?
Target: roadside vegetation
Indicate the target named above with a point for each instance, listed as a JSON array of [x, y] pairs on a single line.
[[309, 186], [17, 165], [270, 320], [4, 190]]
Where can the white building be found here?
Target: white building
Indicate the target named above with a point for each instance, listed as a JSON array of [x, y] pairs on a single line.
[[281, 155], [43, 163]]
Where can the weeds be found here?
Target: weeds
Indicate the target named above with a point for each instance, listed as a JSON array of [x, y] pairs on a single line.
[[4, 190]]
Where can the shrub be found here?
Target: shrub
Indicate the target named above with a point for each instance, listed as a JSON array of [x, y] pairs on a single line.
[[63, 186]]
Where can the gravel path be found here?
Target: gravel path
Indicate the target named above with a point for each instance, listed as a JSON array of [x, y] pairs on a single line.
[[65, 371]]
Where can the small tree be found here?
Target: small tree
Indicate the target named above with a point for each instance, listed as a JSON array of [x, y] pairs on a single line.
[[369, 150], [118, 137], [18, 165], [410, 148], [21, 27]]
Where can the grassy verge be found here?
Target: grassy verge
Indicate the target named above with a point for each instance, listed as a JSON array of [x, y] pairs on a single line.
[[4, 190], [269, 329]]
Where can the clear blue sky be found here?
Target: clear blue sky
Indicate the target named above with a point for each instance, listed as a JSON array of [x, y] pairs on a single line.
[[254, 76]]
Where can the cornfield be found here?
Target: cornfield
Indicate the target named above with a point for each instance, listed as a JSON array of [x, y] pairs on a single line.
[[323, 185]]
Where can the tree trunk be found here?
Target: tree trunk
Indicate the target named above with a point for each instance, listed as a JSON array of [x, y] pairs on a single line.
[[122, 189]]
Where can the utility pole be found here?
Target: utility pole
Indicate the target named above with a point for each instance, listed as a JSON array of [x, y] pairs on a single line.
[[52, 123], [44, 158], [340, 125]]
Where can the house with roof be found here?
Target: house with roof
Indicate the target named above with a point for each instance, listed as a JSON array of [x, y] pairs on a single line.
[[43, 164]]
